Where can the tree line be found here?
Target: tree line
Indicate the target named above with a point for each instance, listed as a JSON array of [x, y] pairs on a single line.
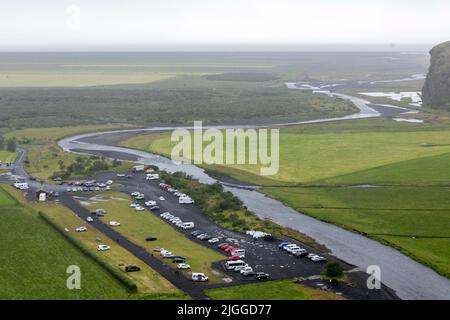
[[8, 144]]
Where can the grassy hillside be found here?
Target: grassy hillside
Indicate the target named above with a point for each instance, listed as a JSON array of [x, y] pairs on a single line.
[[28, 271], [44, 155], [7, 157]]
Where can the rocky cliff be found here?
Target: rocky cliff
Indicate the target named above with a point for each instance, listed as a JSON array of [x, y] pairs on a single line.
[[436, 91]]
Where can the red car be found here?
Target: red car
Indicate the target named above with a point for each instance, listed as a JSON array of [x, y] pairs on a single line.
[[234, 258], [229, 248]]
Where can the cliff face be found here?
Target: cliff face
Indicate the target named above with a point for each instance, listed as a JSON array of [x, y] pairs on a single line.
[[436, 91]]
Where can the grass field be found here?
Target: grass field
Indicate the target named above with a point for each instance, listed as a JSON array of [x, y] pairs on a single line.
[[411, 212], [413, 219], [272, 290], [44, 154], [136, 226], [309, 157], [7, 157], [34, 259]]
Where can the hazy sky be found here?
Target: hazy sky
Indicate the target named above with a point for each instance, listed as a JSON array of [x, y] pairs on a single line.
[[122, 24]]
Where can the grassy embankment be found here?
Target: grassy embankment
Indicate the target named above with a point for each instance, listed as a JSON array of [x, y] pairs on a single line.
[[7, 157], [410, 212], [136, 226], [150, 284], [34, 259], [44, 155], [273, 290]]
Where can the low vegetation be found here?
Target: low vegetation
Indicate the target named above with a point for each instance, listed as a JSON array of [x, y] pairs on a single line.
[[272, 290], [28, 271], [150, 284], [46, 160]]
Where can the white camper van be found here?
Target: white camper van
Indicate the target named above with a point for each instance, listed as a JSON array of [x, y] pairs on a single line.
[[185, 199]]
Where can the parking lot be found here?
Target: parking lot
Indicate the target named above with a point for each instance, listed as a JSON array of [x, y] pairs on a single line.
[[261, 255]]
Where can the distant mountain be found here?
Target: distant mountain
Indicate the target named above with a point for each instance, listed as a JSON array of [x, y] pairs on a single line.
[[436, 91]]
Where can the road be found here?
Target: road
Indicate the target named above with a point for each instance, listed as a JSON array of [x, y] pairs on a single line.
[[261, 255]]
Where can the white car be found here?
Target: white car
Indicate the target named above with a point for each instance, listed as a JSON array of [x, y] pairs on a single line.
[[135, 193], [246, 270], [150, 203], [103, 247], [139, 197], [114, 224], [199, 277], [134, 205], [183, 266], [81, 229], [162, 198], [109, 182], [121, 175], [166, 254], [139, 208], [89, 219], [213, 240]]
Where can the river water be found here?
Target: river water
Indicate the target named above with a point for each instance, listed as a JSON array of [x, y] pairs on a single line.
[[408, 278]]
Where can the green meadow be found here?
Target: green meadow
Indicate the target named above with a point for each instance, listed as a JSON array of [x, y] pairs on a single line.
[[27, 271]]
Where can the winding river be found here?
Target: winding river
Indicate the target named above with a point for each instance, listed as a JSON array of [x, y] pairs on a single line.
[[408, 278]]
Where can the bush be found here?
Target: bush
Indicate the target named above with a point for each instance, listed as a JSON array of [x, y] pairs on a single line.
[[334, 270]]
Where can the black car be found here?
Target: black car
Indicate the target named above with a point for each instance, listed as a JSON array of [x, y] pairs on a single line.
[[300, 254], [178, 260], [261, 275], [196, 233], [151, 239], [132, 269]]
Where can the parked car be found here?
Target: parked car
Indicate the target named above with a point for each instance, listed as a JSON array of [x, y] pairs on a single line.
[[196, 233], [135, 193], [318, 259], [199, 277], [222, 245], [239, 268], [162, 198], [261, 275], [151, 238], [114, 224], [213, 240], [89, 219], [246, 269], [150, 203], [132, 269], [139, 197], [234, 258], [103, 247], [154, 208], [134, 205], [283, 244], [139, 208], [301, 254], [120, 175], [178, 260], [183, 266], [81, 229]]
